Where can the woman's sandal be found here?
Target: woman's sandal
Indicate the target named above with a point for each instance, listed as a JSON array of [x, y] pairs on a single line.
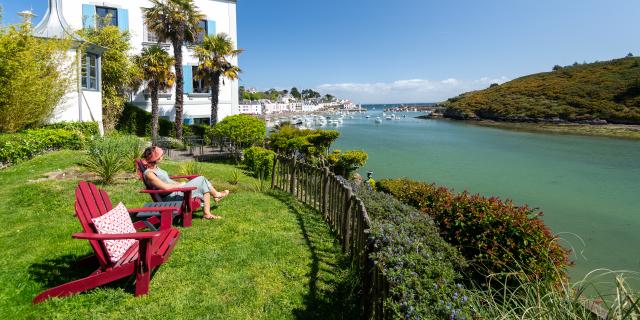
[[211, 217], [223, 194]]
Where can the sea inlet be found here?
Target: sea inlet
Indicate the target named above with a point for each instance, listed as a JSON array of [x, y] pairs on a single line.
[[588, 187]]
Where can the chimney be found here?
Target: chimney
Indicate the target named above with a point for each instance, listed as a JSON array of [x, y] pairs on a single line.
[[26, 15]]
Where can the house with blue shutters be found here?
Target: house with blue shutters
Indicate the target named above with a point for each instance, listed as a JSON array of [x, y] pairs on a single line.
[[127, 15], [83, 102]]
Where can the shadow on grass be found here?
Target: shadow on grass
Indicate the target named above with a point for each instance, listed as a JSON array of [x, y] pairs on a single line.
[[334, 286], [57, 271]]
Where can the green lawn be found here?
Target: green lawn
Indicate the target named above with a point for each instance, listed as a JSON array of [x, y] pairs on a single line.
[[269, 258]]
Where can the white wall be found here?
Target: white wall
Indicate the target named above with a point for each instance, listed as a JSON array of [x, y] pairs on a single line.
[[223, 12], [78, 105]]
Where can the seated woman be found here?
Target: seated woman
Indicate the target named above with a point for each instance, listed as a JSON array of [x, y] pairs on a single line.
[[160, 179]]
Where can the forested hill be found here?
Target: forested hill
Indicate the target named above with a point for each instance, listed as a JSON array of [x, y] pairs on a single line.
[[588, 93]]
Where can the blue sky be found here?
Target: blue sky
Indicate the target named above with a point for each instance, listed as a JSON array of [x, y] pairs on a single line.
[[417, 50]]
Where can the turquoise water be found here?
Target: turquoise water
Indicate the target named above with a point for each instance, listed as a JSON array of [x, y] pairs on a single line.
[[586, 186]]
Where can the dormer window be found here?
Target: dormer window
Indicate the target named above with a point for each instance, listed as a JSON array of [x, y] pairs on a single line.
[[107, 16]]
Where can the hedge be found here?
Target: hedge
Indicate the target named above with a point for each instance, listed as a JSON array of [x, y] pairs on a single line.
[[496, 237], [136, 121], [27, 144], [88, 129], [421, 268]]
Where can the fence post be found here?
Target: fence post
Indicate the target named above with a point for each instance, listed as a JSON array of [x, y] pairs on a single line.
[[292, 186], [325, 190], [273, 172], [346, 219]]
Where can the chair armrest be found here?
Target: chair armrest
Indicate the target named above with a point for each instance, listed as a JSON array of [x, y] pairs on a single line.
[[166, 214], [188, 177], [153, 209], [121, 236], [169, 190]]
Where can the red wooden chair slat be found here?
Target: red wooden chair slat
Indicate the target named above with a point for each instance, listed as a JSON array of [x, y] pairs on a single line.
[[151, 250]]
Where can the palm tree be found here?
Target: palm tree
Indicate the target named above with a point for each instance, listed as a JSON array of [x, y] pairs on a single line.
[[155, 64], [176, 21], [213, 54]]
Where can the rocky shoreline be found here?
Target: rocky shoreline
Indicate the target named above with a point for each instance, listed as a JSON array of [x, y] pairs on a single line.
[[588, 128]]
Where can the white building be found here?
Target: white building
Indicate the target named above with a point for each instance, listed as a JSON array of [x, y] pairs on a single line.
[[84, 100], [220, 16], [250, 107]]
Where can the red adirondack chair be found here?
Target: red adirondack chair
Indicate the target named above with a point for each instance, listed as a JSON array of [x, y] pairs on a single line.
[[187, 205], [151, 250]]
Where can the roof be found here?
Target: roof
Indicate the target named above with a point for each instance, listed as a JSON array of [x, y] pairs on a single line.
[[53, 25]]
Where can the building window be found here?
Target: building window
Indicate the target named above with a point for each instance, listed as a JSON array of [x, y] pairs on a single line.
[[201, 121], [205, 31], [107, 16], [90, 71], [198, 84], [152, 36]]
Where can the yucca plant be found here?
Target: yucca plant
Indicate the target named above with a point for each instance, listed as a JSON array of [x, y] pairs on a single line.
[[261, 185], [107, 156], [235, 177]]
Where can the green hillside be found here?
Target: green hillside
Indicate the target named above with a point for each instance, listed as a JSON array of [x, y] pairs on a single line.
[[587, 93]]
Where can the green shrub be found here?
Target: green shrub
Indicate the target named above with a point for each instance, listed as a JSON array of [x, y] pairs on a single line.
[[421, 268], [496, 237], [259, 161], [27, 144], [241, 129], [109, 155], [346, 163], [88, 129], [313, 145]]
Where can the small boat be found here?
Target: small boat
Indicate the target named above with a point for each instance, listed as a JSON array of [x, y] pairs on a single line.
[[378, 120], [367, 116]]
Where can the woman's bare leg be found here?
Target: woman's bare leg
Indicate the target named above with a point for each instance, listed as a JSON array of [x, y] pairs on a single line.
[[218, 195], [207, 207]]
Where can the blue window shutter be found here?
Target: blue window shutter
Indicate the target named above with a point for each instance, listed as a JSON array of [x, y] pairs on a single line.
[[123, 19], [187, 74], [89, 16], [211, 27]]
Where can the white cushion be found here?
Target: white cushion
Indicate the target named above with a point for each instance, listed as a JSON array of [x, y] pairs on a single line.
[[116, 221]]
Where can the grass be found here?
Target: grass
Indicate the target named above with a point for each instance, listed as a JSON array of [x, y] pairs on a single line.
[[268, 258]]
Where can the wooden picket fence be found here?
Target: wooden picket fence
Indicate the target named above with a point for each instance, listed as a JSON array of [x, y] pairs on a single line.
[[346, 215]]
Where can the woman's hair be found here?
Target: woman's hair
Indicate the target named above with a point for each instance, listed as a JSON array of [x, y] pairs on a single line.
[[146, 154]]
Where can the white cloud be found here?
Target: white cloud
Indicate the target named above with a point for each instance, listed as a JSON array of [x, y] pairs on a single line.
[[402, 91]]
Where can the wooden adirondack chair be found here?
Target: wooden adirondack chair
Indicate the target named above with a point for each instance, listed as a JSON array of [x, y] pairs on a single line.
[[187, 205], [151, 250]]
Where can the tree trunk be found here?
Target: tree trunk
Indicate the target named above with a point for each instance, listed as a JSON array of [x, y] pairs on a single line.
[[177, 53], [154, 115], [215, 92]]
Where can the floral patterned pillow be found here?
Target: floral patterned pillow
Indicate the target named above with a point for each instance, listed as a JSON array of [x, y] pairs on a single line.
[[116, 221]]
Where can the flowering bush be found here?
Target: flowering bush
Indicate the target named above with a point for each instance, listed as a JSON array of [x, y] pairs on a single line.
[[421, 268], [495, 236]]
